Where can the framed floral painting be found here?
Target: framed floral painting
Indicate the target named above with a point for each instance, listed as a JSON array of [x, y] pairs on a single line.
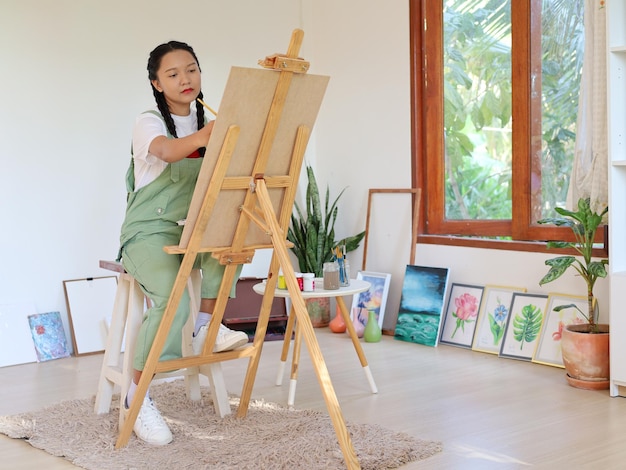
[[524, 326], [568, 311], [459, 321], [492, 318]]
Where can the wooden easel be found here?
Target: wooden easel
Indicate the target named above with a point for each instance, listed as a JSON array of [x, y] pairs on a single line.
[[257, 187]]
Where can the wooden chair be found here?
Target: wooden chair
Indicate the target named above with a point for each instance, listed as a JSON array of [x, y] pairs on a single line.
[[117, 365]]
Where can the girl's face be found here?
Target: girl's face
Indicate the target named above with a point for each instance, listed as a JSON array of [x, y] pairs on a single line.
[[178, 78]]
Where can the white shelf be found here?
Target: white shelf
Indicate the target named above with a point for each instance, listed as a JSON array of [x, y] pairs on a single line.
[[616, 94]]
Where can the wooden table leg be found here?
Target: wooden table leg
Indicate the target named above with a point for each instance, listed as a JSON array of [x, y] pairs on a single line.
[[297, 345], [285, 350], [356, 343]]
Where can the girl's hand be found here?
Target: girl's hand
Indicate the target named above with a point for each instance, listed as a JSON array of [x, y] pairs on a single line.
[[204, 134]]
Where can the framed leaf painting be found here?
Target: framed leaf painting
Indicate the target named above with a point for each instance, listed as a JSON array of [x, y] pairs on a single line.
[[423, 293], [524, 326], [568, 311], [493, 317], [459, 322]]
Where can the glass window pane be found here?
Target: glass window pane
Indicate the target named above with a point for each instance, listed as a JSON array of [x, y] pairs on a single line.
[[477, 109], [556, 101]]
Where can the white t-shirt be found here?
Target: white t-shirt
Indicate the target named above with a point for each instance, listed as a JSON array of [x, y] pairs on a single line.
[[147, 127]]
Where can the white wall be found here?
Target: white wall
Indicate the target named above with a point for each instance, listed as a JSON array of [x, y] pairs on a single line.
[[74, 79]]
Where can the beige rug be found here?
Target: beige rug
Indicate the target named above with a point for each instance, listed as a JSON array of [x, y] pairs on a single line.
[[269, 437]]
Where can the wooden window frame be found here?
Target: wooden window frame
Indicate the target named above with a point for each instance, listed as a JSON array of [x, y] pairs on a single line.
[[428, 172]]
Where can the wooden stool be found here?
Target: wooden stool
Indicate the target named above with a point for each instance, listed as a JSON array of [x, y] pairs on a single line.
[[128, 311]]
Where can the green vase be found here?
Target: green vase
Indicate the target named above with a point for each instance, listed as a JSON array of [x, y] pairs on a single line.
[[372, 333]]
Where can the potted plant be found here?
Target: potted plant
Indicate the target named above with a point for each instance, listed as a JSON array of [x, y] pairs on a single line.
[[312, 232], [585, 347]]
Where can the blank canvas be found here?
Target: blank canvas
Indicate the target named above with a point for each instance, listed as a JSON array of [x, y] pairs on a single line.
[[252, 89], [89, 305]]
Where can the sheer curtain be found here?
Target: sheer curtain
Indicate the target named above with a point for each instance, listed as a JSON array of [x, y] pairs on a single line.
[[590, 171]]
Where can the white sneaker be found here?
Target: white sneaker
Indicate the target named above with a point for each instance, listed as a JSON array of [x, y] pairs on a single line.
[[150, 426], [226, 340]]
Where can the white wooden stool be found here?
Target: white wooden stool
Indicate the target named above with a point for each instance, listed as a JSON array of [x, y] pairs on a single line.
[[117, 368]]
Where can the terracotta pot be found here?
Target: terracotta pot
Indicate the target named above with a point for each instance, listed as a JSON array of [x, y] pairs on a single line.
[[319, 311], [586, 356]]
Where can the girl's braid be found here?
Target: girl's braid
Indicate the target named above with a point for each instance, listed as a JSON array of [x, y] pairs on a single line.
[[200, 117], [165, 111]]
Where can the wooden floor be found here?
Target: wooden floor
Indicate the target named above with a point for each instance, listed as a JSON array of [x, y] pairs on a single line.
[[489, 412]]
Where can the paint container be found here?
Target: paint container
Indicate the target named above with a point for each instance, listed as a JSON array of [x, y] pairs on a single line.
[[282, 284], [331, 275], [308, 282]]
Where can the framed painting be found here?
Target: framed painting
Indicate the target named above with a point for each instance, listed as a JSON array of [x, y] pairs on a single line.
[[48, 335], [492, 318], [568, 311], [89, 306], [373, 299], [459, 321], [524, 326], [421, 304]]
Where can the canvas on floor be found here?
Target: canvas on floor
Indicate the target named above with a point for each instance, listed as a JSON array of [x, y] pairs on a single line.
[[421, 304]]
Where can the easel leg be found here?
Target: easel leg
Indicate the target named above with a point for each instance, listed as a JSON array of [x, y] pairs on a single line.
[[259, 336], [305, 326]]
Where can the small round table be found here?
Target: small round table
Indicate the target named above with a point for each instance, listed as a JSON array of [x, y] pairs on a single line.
[[356, 286]]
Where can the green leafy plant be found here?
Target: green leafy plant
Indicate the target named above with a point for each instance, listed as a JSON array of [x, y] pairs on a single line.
[[584, 223], [527, 325], [312, 232]]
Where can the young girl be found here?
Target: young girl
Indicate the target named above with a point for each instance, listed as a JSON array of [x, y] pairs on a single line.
[[168, 147]]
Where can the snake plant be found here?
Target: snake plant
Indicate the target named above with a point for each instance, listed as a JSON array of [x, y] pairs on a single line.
[[312, 232]]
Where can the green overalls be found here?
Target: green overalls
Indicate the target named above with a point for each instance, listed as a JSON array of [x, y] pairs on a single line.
[[151, 222]]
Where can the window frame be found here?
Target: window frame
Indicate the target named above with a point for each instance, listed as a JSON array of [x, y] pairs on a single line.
[[426, 68]]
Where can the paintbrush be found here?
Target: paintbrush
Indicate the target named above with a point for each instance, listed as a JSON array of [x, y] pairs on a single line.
[[206, 106]]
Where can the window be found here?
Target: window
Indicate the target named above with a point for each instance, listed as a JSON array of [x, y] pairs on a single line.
[[495, 98]]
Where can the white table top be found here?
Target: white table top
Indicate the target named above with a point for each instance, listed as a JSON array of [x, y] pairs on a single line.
[[356, 286]]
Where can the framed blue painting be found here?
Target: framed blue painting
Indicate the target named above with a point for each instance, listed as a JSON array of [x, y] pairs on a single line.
[[421, 304], [373, 299], [48, 335]]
